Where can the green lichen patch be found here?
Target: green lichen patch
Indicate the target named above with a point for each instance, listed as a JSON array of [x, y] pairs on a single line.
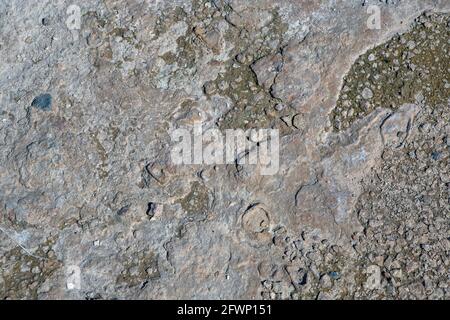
[[412, 67], [196, 203], [166, 19], [253, 105], [139, 268], [23, 274], [103, 155], [100, 31], [189, 46]]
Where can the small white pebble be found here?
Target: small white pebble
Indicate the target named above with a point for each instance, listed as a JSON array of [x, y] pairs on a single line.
[[367, 94]]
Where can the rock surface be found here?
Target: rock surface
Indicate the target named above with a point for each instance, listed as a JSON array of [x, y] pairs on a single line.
[[92, 207]]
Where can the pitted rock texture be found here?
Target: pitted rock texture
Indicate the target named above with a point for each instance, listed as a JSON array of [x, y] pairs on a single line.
[[93, 207]]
